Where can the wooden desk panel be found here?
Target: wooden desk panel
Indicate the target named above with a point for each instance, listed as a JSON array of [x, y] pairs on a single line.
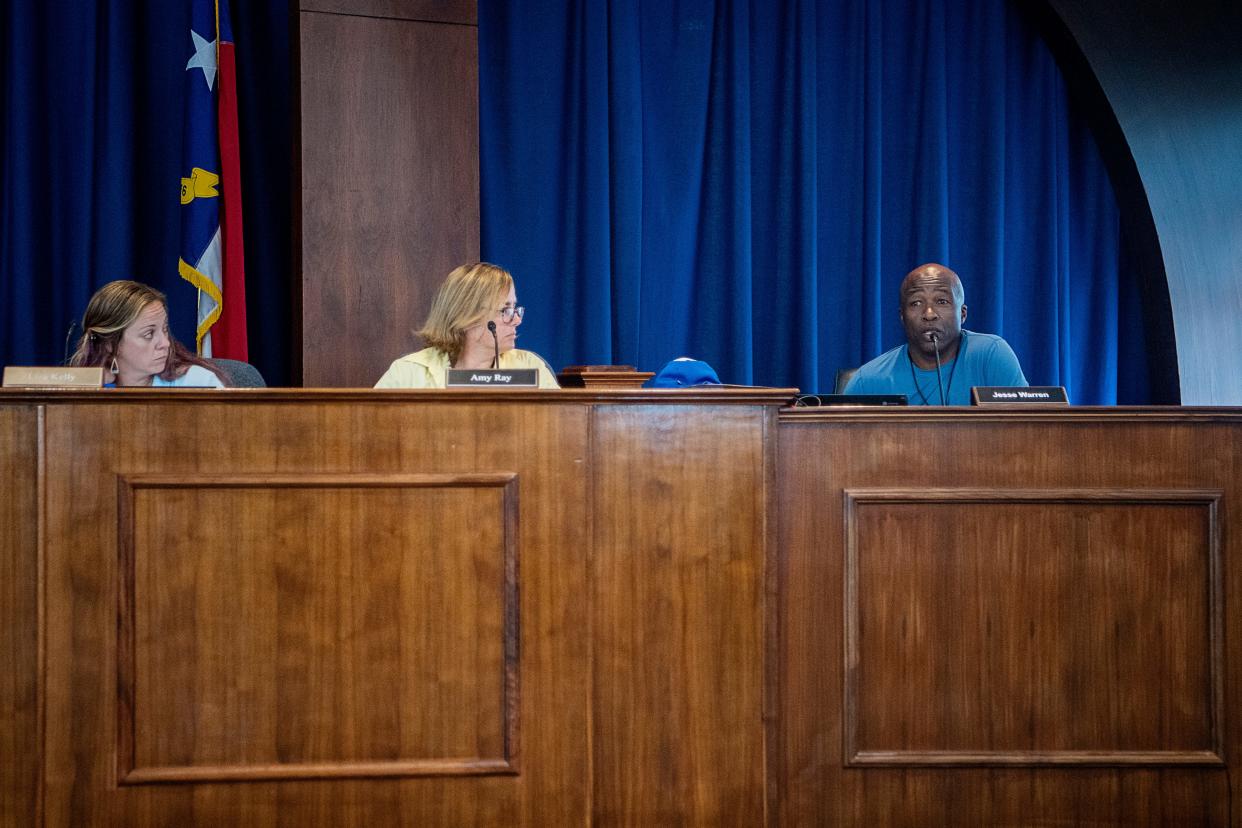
[[1036, 627], [362, 632], [677, 597], [339, 625], [418, 608], [999, 618], [613, 608]]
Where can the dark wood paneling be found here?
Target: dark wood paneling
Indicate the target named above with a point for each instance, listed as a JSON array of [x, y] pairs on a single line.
[[464, 12], [1030, 588], [677, 600], [19, 606], [382, 607], [1007, 627], [959, 601], [389, 183], [363, 597]]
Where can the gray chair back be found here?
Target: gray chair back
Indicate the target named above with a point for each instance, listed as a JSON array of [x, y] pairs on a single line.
[[239, 374], [843, 379]]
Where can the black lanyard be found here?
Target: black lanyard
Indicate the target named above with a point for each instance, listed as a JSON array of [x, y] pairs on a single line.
[[961, 349]]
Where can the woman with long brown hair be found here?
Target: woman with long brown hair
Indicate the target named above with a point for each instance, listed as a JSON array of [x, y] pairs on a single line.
[[125, 329]]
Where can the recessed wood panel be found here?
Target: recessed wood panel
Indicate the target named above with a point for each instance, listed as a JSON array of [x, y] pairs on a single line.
[[1031, 627], [319, 626]]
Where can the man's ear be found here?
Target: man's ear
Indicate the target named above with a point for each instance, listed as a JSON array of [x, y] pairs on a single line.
[[963, 314]]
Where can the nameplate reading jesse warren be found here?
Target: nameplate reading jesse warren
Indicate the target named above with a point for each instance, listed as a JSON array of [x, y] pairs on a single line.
[[1034, 395]]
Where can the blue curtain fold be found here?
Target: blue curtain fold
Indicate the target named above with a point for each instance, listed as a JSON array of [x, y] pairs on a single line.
[[748, 182], [89, 155]]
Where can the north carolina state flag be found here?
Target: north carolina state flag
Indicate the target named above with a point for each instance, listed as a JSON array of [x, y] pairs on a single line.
[[212, 252]]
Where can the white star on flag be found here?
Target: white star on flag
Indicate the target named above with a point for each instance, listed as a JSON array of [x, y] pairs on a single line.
[[204, 58]]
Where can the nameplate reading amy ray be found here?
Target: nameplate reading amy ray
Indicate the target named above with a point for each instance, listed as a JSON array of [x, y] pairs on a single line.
[[53, 377], [1034, 395], [490, 378]]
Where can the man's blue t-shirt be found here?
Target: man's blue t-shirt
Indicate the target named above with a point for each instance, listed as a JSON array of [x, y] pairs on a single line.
[[982, 359]]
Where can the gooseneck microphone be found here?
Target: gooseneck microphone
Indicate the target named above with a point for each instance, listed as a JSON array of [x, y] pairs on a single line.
[[491, 326], [935, 338], [69, 340]]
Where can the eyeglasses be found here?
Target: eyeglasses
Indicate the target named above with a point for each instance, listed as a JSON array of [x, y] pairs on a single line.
[[507, 312]]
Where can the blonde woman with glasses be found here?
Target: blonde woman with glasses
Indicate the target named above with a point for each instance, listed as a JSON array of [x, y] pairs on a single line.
[[457, 335]]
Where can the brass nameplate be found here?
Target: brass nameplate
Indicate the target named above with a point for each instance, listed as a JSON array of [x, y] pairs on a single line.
[[53, 377]]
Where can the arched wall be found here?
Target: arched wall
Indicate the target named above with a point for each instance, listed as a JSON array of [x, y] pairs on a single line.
[[1172, 75]]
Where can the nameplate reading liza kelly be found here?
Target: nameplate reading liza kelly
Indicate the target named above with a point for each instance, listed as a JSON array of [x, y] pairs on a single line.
[[17, 376], [1034, 395], [491, 378]]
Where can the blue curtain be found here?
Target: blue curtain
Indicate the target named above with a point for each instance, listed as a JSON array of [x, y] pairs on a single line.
[[91, 141], [748, 182]]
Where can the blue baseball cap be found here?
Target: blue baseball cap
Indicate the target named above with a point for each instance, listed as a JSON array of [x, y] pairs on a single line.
[[685, 372]]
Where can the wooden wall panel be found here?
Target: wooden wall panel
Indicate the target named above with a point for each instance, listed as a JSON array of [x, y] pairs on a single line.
[[389, 192], [347, 642], [1032, 627], [439, 11], [336, 626], [678, 613], [19, 605], [926, 586]]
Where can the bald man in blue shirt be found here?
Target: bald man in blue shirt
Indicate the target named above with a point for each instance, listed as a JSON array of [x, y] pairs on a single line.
[[932, 312]]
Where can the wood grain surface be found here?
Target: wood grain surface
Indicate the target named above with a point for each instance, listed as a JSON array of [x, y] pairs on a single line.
[[1034, 627], [383, 608], [677, 597], [20, 663], [344, 608], [337, 610], [1007, 618], [464, 12], [389, 195]]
